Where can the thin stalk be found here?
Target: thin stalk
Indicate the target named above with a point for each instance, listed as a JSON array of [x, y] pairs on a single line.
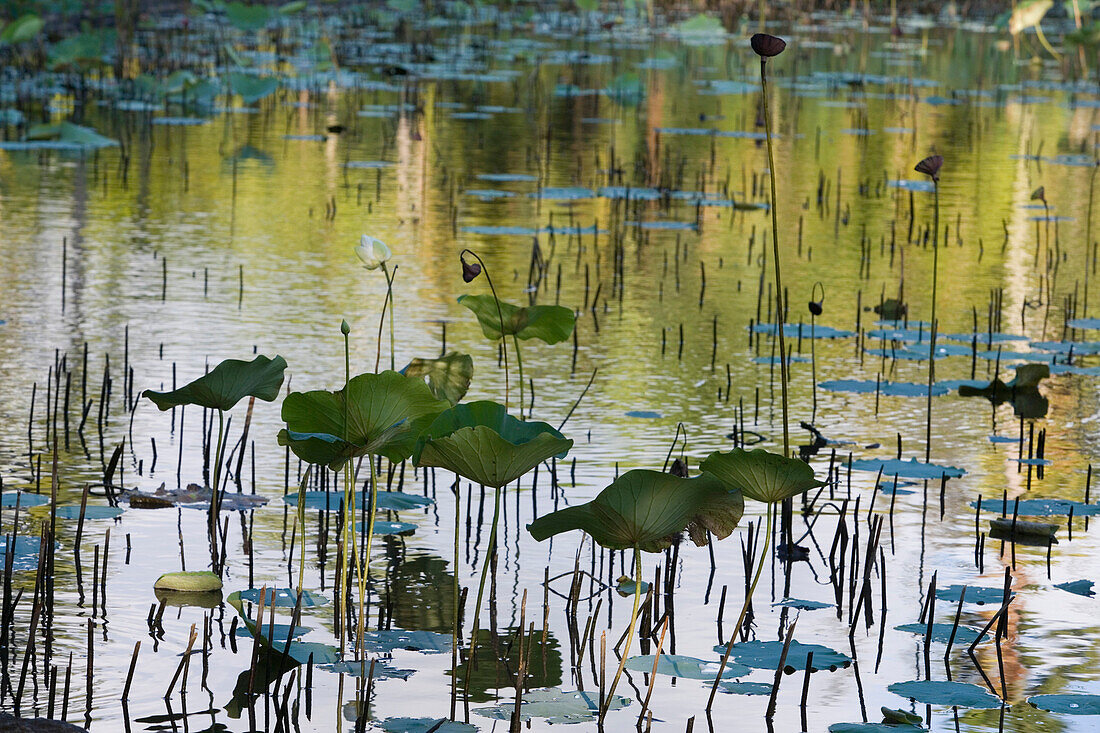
[[480, 595], [932, 327], [457, 598], [629, 634], [389, 299], [302, 525], [519, 363], [500, 315], [744, 608], [1088, 238], [775, 256], [381, 323]]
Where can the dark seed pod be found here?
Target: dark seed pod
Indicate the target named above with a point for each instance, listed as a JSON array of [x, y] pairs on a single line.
[[816, 307], [766, 45], [1039, 194], [469, 270], [678, 468], [930, 166]]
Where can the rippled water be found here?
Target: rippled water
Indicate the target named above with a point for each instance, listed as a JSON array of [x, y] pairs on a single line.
[[236, 237]]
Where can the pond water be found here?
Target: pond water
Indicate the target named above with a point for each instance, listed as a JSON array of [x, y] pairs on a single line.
[[628, 163]]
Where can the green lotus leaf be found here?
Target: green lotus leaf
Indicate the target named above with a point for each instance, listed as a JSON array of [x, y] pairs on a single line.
[[226, 384], [549, 323], [385, 414], [481, 441], [647, 510], [760, 475], [191, 581], [247, 17], [23, 29], [252, 88], [448, 376]]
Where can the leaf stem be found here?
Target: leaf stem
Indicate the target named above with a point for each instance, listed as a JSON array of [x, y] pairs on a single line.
[[500, 315], [477, 607], [629, 634]]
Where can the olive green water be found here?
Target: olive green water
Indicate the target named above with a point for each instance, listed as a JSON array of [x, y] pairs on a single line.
[[257, 248]]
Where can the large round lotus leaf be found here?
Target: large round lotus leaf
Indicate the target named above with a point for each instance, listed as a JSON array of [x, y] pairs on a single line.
[[647, 510], [1068, 704], [482, 442], [549, 323], [448, 376], [385, 413], [760, 475], [765, 655], [226, 384], [190, 581], [688, 668], [955, 694], [941, 633]]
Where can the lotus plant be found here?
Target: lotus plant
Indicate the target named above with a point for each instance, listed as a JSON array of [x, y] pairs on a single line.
[[374, 254]]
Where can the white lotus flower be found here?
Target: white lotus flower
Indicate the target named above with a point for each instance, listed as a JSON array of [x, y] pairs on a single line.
[[373, 252]]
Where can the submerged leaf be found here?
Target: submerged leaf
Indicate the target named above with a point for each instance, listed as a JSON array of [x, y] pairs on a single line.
[[761, 475], [448, 376], [482, 442], [226, 384], [648, 510], [549, 323]]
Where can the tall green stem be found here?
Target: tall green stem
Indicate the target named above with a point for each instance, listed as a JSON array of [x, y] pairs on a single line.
[[932, 326], [629, 633], [779, 314], [389, 299], [744, 608], [215, 504], [500, 316], [477, 607], [456, 599]]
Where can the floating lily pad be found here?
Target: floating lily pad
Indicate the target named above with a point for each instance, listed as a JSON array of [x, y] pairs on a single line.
[[23, 498], [647, 414], [689, 668], [423, 725], [802, 330], [1070, 704], [875, 728], [194, 497], [387, 528], [388, 640], [745, 688], [974, 594], [362, 668], [278, 632], [955, 694], [907, 469], [1039, 507], [72, 511], [399, 501], [191, 581], [802, 605], [941, 633], [626, 587], [283, 597], [556, 706], [568, 193], [765, 655], [390, 501], [891, 389], [25, 551], [1079, 587]]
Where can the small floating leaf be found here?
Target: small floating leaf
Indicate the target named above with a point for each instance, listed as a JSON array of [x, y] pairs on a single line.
[[23, 498], [955, 694], [388, 640], [765, 655], [556, 706], [688, 668], [282, 597], [72, 511], [803, 605], [941, 633], [1069, 704], [1080, 587], [745, 688], [423, 725], [907, 469], [362, 668], [190, 581]]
